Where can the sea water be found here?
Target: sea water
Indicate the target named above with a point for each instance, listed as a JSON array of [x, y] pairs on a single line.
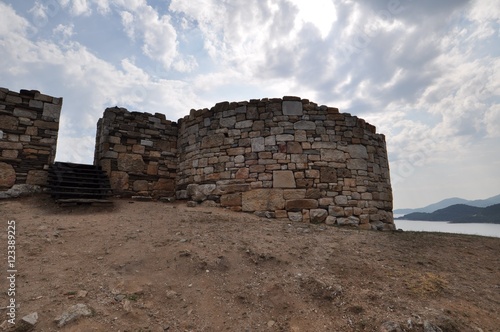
[[446, 227]]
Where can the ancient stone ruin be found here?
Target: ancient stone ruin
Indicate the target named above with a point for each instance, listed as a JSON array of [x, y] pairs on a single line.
[[29, 123], [279, 158]]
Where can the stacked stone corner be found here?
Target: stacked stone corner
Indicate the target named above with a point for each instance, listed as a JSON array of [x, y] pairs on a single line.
[[29, 124], [138, 151]]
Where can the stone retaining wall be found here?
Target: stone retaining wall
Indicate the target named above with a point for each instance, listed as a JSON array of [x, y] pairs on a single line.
[[138, 151], [286, 158], [29, 124]]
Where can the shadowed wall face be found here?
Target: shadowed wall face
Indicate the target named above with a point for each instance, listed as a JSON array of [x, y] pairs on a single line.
[[29, 124], [280, 158], [138, 151]]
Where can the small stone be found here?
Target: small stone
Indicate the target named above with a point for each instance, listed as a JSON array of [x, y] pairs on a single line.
[[119, 297], [192, 204], [429, 327], [271, 323], [73, 313], [295, 216], [209, 203], [318, 215], [81, 294], [7, 176], [330, 220], [350, 221], [127, 306], [390, 327], [171, 294], [27, 323]]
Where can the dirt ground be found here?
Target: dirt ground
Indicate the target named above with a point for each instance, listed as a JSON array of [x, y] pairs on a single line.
[[152, 266]]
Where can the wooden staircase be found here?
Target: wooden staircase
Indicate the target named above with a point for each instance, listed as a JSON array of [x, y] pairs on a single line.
[[78, 183]]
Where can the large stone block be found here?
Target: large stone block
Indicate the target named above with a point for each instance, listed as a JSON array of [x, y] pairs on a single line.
[[244, 124], [318, 215], [283, 179], [304, 125], [263, 200], [47, 125], [242, 173], [332, 155], [299, 204], [51, 111], [357, 164], [7, 176], [10, 154], [140, 185], [351, 221], [294, 193], [164, 184], [294, 147], [328, 175], [292, 107], [119, 181], [258, 144], [20, 112], [357, 151], [231, 199], [130, 162], [37, 177], [11, 145], [341, 200], [200, 192], [228, 122], [212, 141], [8, 122]]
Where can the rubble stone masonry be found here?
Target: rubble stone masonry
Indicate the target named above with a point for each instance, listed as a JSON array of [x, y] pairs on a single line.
[[29, 124], [279, 158], [138, 151]]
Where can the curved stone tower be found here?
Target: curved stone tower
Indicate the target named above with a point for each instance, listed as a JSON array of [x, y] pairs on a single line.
[[286, 158]]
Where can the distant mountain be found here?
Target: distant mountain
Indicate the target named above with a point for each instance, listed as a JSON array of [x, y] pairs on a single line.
[[452, 201], [460, 213]]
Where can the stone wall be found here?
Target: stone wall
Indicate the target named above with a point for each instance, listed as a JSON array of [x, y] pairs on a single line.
[[279, 158], [29, 124], [138, 151], [286, 158]]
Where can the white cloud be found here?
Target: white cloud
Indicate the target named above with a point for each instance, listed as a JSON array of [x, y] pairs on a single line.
[[64, 31], [128, 23], [143, 24], [11, 23], [320, 13], [492, 121], [81, 7]]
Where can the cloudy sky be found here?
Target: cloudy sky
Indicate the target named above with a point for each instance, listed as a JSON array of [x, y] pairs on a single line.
[[426, 72]]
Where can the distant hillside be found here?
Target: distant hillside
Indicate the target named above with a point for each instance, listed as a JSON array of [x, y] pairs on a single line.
[[452, 201], [460, 213]]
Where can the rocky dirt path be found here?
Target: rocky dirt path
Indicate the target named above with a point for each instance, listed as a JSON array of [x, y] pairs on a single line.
[[150, 266]]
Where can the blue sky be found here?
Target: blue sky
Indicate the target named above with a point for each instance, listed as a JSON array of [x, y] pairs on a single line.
[[426, 73]]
